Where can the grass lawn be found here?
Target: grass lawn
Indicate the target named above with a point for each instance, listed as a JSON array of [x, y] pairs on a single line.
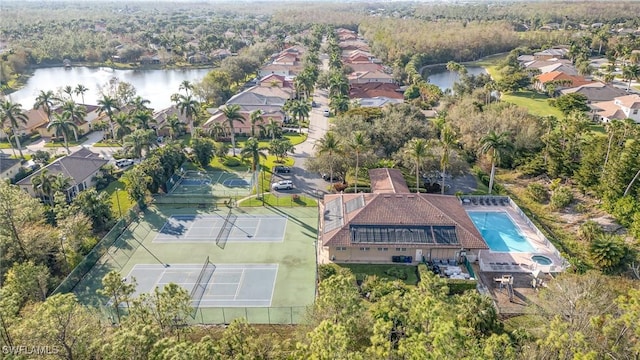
[[272, 200], [121, 196], [383, 271], [56, 144], [535, 102], [490, 63], [5, 145], [107, 144]]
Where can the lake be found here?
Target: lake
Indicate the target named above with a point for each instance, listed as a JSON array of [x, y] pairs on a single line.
[[153, 85], [445, 79]]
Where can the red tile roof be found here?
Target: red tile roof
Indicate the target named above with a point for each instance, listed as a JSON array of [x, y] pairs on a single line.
[[392, 204], [387, 181], [375, 89], [404, 209], [558, 75]]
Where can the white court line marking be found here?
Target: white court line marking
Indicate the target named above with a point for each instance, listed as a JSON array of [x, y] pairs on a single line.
[[239, 283], [273, 288]]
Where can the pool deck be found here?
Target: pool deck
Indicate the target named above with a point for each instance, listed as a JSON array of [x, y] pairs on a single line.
[[493, 261]]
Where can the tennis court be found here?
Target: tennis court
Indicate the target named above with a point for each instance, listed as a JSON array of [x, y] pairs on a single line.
[[207, 227], [228, 285], [214, 183]]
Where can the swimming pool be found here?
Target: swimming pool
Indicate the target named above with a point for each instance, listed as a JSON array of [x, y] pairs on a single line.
[[499, 232]]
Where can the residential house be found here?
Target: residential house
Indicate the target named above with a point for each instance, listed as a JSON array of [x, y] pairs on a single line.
[[269, 99], [273, 80], [369, 77], [219, 54], [559, 79], [537, 64], [278, 69], [564, 68], [391, 221], [354, 45], [596, 91], [81, 167], [35, 119], [84, 125], [160, 119], [553, 53], [346, 34], [8, 167], [620, 108], [286, 58], [376, 94], [357, 57], [373, 67]]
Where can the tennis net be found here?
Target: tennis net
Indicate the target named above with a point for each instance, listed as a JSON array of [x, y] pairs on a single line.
[[200, 285], [223, 235]]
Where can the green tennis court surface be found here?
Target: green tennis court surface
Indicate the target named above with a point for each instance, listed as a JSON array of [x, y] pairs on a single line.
[[205, 228], [231, 285], [267, 278]]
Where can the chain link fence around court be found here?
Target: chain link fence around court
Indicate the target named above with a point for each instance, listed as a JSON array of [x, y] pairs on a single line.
[[216, 184], [254, 315], [99, 250]]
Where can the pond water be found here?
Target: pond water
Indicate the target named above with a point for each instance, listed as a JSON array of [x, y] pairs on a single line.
[[153, 85], [445, 79]]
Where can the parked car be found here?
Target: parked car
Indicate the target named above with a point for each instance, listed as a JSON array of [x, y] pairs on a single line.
[[281, 169], [314, 104], [282, 185], [327, 177], [326, 113], [124, 163]]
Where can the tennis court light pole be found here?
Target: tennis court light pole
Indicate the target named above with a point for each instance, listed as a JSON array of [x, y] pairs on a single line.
[[118, 201]]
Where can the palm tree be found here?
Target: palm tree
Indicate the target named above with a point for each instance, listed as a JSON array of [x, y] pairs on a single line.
[[218, 130], [631, 72], [339, 104], [61, 183], [273, 128], [186, 85], [108, 105], [143, 118], [13, 114], [448, 140], [80, 90], [358, 143], [174, 125], [497, 145], [417, 149], [123, 125], [138, 141], [299, 110], [188, 107], [69, 91], [46, 100], [232, 113], [256, 121], [43, 184], [76, 113], [139, 104], [253, 150], [338, 85], [63, 125], [330, 145]]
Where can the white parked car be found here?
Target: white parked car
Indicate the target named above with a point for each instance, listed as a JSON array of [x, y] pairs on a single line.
[[326, 113], [124, 163], [282, 185]]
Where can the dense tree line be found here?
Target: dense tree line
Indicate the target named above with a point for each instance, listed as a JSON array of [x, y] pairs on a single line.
[[580, 316]]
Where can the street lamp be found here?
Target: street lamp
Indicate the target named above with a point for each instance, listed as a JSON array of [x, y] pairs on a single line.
[[118, 201]]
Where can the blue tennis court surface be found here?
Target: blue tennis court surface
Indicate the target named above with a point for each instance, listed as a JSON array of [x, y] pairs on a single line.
[[205, 228], [236, 183], [232, 285], [195, 182]]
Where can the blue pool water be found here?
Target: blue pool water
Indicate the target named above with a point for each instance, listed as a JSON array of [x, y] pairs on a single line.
[[499, 232]]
